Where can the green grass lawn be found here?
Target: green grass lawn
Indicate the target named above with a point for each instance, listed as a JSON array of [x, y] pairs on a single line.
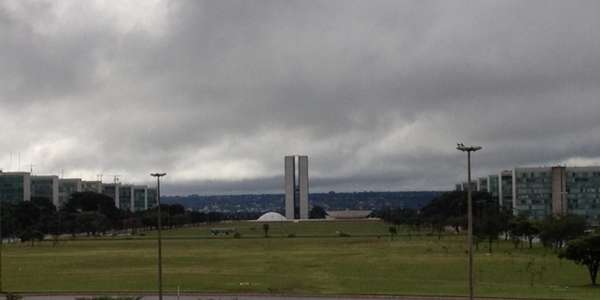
[[315, 262]]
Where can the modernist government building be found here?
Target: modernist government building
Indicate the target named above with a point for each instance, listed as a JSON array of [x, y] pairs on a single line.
[[542, 191], [296, 191], [22, 186]]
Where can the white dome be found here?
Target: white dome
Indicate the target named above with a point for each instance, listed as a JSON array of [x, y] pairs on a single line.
[[271, 217]]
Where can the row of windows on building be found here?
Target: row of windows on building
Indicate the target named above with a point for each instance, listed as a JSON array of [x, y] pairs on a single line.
[[542, 191], [22, 186]]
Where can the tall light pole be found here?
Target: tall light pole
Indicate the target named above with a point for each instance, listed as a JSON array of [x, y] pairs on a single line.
[[469, 149], [158, 176], [1, 246]]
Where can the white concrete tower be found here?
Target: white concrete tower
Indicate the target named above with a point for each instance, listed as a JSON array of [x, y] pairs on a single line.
[[303, 186], [290, 186]]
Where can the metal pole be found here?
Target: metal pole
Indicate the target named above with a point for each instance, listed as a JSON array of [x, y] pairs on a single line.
[[160, 289], [469, 149], [470, 221], [160, 292], [1, 246]]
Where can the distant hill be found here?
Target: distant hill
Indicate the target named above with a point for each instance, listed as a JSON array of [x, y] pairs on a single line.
[[331, 200]]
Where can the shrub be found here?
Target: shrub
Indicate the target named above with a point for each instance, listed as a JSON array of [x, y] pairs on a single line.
[[343, 234], [11, 296]]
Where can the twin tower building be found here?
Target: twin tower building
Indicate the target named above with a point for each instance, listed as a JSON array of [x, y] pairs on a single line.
[[296, 191]]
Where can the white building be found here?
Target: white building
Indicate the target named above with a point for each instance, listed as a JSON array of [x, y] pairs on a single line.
[[296, 193]]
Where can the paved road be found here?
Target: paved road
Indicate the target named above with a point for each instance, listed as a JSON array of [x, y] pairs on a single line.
[[247, 297]]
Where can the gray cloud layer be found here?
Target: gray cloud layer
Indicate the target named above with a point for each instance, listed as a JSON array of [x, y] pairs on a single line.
[[377, 93]]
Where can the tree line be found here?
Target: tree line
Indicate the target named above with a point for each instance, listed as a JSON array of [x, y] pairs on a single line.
[[569, 236], [94, 214]]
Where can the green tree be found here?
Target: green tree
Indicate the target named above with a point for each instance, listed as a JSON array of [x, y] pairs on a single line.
[[522, 228], [27, 217], [47, 214], [90, 201], [393, 232], [584, 251], [92, 222], [488, 222], [317, 212], [556, 230], [450, 209]]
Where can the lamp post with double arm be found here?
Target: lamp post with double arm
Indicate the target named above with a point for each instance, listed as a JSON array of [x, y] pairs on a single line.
[[158, 176], [469, 149]]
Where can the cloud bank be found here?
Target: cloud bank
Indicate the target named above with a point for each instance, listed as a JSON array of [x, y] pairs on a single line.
[[377, 93]]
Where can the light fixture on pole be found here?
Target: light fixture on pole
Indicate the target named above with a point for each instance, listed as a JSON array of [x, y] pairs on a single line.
[[158, 176], [469, 149]]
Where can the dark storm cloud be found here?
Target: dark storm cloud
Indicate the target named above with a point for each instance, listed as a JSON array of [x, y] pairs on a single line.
[[375, 92]]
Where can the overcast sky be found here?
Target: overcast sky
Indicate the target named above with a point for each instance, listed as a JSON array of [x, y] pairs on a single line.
[[377, 93]]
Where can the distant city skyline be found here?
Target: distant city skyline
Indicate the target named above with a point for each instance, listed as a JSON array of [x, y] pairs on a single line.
[[377, 93]]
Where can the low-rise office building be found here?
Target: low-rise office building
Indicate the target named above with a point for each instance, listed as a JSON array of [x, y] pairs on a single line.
[[66, 187], [22, 186], [532, 193], [493, 187], [112, 190], [91, 186], [582, 191], [140, 198], [482, 184], [151, 197], [15, 186], [126, 197], [464, 186], [505, 189], [45, 187], [542, 191]]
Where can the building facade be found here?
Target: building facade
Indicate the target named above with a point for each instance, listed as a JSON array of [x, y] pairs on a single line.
[[22, 186], [290, 187], [493, 185], [532, 193], [45, 187], [505, 189], [140, 198], [583, 192], [296, 193], [66, 187], [303, 186], [542, 191], [15, 187], [151, 197], [91, 186], [112, 190], [126, 197], [482, 184]]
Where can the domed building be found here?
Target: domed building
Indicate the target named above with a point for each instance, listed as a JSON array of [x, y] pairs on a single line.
[[271, 217]]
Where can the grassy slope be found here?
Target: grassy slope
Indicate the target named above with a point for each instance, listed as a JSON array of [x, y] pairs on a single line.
[[321, 265]]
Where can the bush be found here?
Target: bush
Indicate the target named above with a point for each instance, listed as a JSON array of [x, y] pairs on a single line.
[[237, 235], [291, 235], [343, 234], [11, 296]]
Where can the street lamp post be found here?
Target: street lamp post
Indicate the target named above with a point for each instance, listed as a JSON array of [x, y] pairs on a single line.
[[469, 149], [158, 176], [1, 246]]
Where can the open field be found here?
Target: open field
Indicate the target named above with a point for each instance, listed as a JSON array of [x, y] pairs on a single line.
[[315, 262]]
